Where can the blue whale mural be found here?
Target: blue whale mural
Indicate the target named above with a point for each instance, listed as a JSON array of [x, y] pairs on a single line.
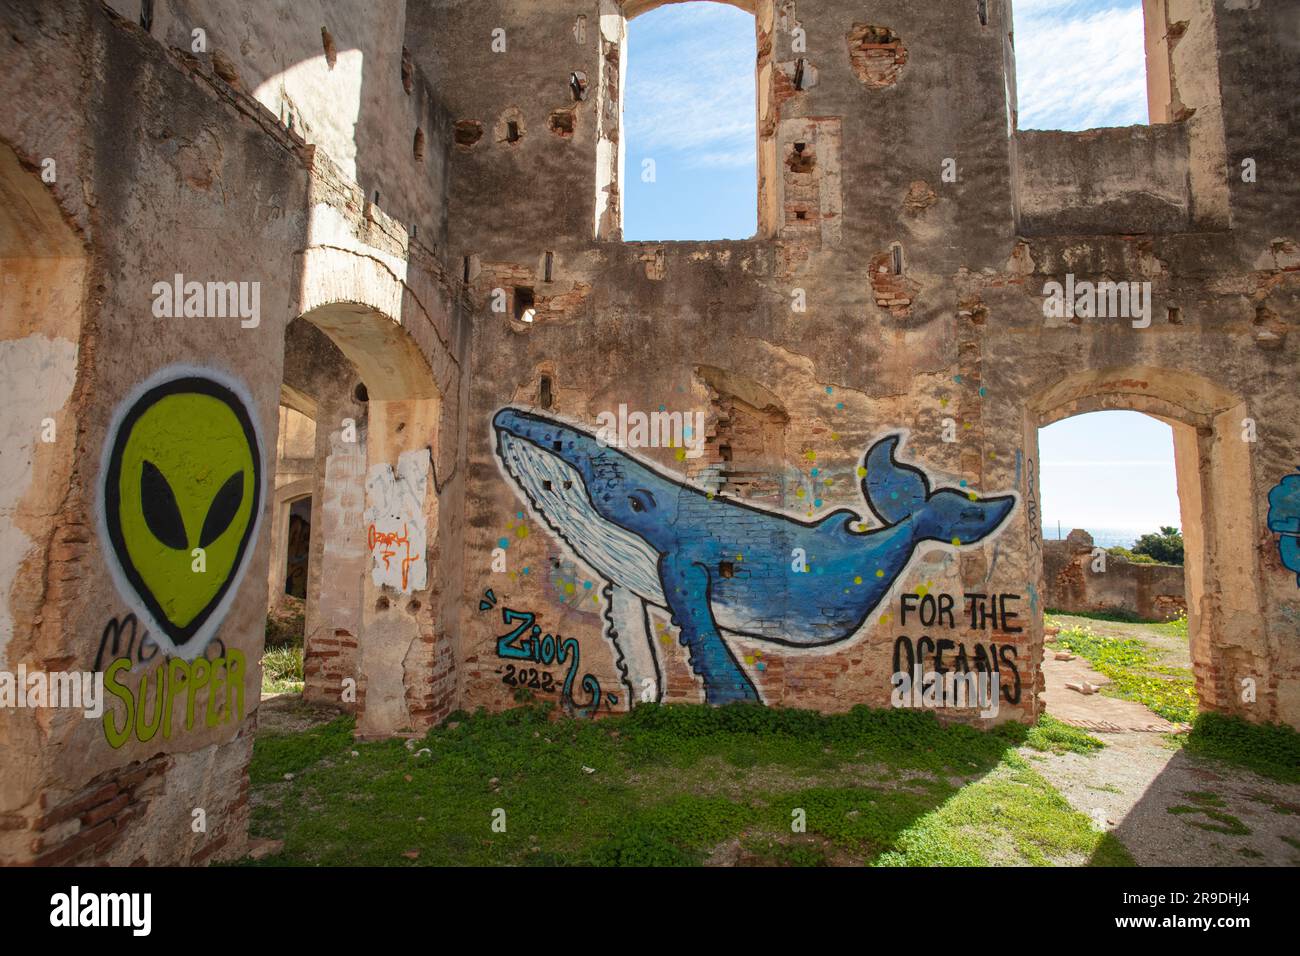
[[1284, 520], [721, 565]]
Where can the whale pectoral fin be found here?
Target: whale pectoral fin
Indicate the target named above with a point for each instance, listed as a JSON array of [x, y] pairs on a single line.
[[628, 628], [686, 588]]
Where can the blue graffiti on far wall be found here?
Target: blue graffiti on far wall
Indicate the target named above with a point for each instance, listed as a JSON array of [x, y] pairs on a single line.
[[1284, 520], [722, 565]]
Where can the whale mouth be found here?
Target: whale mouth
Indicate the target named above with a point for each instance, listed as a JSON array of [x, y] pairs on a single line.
[[558, 494]]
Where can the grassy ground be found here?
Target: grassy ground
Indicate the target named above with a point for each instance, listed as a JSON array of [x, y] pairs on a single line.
[[1150, 663], [1138, 669], [282, 660], [679, 785], [1271, 750]]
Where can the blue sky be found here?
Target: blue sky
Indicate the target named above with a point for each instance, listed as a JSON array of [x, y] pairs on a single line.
[[689, 106]]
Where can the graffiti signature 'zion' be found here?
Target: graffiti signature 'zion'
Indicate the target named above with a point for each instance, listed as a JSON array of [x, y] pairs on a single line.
[[718, 564]]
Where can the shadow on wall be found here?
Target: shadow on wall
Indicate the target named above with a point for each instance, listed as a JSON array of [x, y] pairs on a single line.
[[339, 77]]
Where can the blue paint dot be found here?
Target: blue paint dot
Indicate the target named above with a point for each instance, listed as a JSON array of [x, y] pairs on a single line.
[[519, 514], [817, 503], [587, 585], [662, 407], [503, 543], [686, 431], [957, 379], [983, 391], [762, 666], [830, 390], [525, 571], [839, 404], [894, 495], [814, 472], [963, 482]]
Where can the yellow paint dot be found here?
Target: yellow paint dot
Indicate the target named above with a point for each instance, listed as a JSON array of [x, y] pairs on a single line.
[[943, 403], [568, 588], [828, 481], [956, 542], [992, 455], [967, 426], [923, 590], [709, 495], [749, 658], [681, 454], [858, 579], [880, 573], [885, 618], [522, 531], [594, 599], [862, 472], [810, 455], [798, 493], [972, 496], [835, 436], [740, 557]]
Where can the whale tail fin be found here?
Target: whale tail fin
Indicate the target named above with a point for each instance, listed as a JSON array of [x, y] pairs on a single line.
[[896, 492]]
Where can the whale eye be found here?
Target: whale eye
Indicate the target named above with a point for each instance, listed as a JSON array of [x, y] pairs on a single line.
[[636, 504]]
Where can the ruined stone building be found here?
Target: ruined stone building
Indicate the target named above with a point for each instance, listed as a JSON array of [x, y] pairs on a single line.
[[369, 254]]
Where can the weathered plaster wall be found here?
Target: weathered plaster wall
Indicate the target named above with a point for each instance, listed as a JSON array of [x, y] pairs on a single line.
[[166, 167], [1076, 580], [334, 73], [881, 298], [958, 333]]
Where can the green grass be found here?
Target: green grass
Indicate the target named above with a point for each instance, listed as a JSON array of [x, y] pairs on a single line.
[[672, 786], [1051, 734], [1208, 805], [1271, 750], [1135, 673], [282, 670], [1116, 616], [1175, 628]]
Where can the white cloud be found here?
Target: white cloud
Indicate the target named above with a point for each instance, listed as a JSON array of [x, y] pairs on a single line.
[[690, 86], [1078, 66]]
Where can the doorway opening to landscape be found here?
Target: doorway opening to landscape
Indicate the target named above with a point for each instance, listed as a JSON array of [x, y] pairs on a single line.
[[1211, 430], [1113, 583]]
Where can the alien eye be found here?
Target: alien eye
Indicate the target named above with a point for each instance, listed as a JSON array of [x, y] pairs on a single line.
[[222, 510], [161, 513], [636, 505]]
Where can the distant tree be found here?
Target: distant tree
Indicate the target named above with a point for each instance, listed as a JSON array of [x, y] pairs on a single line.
[[1122, 552], [1165, 547]]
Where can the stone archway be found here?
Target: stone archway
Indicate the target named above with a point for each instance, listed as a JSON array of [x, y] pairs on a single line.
[[1226, 618], [376, 586]]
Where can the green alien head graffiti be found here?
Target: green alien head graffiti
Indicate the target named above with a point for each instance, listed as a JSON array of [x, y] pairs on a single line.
[[182, 471]]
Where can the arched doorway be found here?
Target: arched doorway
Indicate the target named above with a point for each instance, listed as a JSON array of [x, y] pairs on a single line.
[[1226, 623]]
